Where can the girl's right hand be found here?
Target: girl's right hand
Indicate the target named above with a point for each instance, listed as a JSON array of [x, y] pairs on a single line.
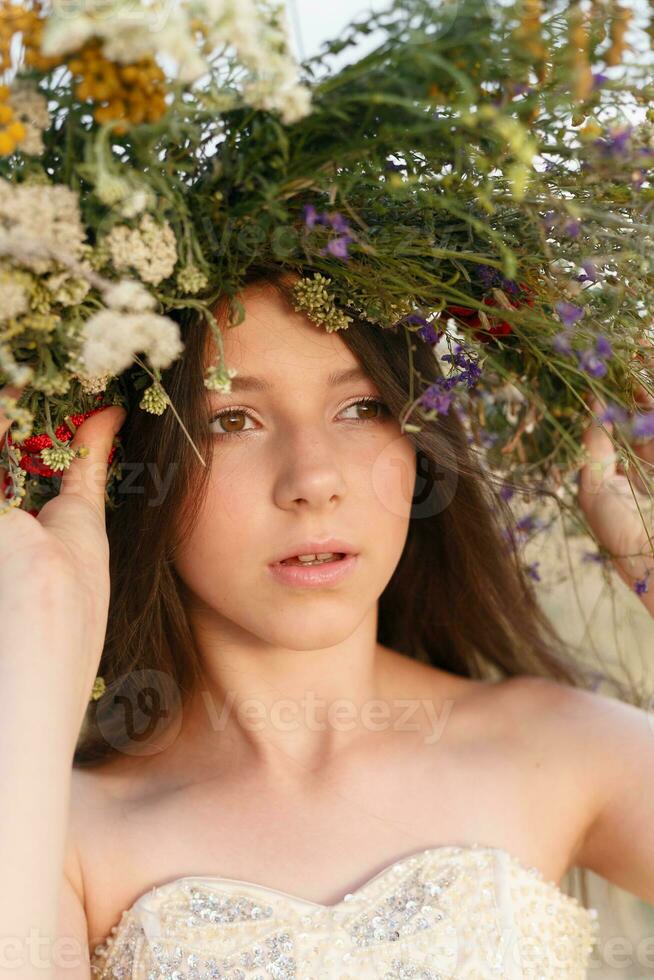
[[54, 567]]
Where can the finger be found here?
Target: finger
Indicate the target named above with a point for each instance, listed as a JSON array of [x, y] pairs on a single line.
[[646, 358], [643, 397], [643, 446], [87, 476], [601, 461], [5, 424]]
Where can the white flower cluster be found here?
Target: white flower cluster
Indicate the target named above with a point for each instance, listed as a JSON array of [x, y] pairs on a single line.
[[31, 108], [14, 298], [111, 337], [128, 295], [150, 249], [129, 31], [258, 32], [255, 31], [38, 222], [130, 199]]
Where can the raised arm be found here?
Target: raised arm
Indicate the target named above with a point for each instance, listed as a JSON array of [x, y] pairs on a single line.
[[604, 748], [54, 594], [621, 518]]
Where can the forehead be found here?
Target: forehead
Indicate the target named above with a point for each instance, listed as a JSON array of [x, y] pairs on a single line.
[[274, 340]]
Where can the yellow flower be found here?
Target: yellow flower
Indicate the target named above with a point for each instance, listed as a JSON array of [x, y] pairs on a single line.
[[7, 144], [16, 130]]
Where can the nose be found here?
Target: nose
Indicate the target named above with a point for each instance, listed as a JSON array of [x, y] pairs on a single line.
[[310, 473]]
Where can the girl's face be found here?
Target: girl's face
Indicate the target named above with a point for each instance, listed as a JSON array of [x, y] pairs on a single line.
[[298, 460]]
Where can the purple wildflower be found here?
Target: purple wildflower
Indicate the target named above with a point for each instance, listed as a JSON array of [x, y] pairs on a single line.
[[616, 143], [337, 247], [490, 277], [506, 493], [569, 312], [472, 375], [427, 331], [595, 556], [532, 570], [599, 79], [313, 217], [415, 318], [603, 347], [549, 220], [526, 524], [642, 426], [591, 363], [561, 342], [429, 334], [572, 227], [640, 585], [339, 223], [590, 271], [487, 439], [613, 413], [471, 371], [487, 275], [458, 357], [435, 398]]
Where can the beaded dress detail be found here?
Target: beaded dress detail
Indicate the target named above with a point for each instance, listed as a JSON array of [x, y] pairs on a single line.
[[446, 913]]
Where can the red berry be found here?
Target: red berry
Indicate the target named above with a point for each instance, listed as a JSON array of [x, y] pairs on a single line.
[[63, 433], [34, 444], [34, 465]]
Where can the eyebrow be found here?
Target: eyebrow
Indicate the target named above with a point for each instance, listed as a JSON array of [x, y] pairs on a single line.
[[248, 382]]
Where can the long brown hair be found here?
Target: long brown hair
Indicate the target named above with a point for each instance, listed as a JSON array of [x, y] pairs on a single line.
[[459, 597]]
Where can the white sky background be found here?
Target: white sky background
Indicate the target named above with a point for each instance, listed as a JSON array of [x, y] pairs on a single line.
[[315, 21]]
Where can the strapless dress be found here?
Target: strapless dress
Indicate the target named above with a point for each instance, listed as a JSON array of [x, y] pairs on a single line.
[[445, 913]]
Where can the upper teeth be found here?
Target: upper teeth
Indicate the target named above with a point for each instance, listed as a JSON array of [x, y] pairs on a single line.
[[324, 554]]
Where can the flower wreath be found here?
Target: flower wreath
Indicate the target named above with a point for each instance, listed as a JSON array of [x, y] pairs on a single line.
[[482, 177]]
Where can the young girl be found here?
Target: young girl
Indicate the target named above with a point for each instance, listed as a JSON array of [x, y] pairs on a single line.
[[376, 765]]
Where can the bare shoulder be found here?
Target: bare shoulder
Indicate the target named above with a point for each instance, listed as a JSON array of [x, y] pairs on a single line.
[[608, 745], [567, 716], [553, 703]]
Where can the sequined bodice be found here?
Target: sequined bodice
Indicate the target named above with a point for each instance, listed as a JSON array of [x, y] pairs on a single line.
[[470, 912]]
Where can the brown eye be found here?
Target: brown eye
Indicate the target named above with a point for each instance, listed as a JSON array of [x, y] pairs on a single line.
[[227, 422], [368, 409]]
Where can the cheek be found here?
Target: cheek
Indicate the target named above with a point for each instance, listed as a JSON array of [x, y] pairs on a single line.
[[393, 477], [226, 525]]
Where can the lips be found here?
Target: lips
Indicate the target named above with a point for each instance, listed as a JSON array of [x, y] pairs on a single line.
[[316, 547], [333, 556]]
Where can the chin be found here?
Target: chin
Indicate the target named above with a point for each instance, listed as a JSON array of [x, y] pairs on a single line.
[[305, 631]]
